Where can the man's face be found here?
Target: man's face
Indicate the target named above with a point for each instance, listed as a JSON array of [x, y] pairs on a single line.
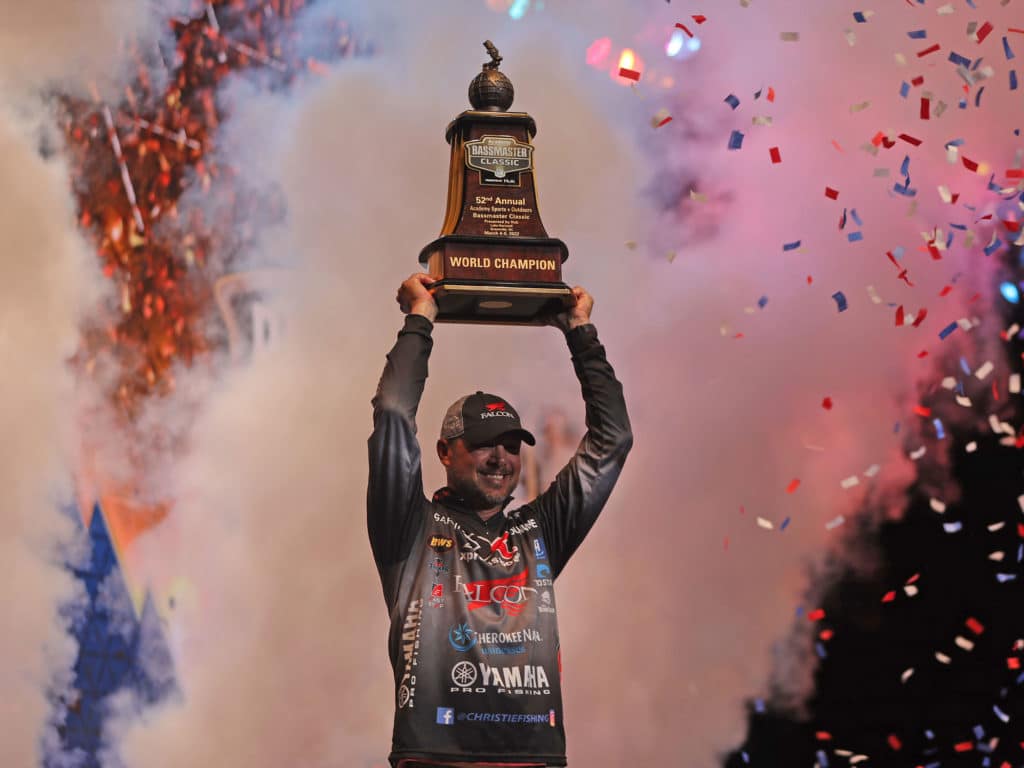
[[483, 475]]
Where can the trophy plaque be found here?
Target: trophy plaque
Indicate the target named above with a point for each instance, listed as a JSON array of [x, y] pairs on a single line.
[[494, 262]]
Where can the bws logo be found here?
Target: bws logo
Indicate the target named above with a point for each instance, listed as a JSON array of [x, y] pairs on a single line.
[[509, 594], [441, 543]]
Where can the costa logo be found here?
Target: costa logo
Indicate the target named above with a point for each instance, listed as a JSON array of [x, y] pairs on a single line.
[[510, 594]]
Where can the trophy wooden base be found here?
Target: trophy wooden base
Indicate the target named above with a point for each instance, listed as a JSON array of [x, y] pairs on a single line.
[[497, 281], [469, 301]]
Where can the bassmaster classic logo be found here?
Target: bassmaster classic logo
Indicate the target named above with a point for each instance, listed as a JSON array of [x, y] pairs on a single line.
[[500, 159]]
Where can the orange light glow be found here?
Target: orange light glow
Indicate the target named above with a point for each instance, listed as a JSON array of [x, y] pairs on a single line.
[[628, 59]]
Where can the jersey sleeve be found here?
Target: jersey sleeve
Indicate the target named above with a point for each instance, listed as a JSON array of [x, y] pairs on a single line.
[[394, 496], [569, 507]]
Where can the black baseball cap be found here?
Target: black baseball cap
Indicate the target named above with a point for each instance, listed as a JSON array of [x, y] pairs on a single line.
[[480, 418]]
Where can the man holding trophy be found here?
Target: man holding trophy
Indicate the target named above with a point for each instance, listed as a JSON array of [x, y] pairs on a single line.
[[469, 584]]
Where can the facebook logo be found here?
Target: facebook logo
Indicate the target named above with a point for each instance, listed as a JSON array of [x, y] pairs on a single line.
[[445, 715], [543, 571], [538, 548]]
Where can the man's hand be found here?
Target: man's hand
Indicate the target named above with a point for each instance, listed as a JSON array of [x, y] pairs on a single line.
[[415, 298], [575, 316]]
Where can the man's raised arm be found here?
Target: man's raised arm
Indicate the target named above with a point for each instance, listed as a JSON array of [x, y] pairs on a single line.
[[394, 496], [570, 506]]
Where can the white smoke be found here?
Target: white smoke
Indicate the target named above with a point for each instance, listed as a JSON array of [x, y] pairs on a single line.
[[47, 281], [665, 631]]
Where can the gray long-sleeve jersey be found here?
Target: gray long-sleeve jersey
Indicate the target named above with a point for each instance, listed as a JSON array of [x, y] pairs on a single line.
[[474, 638]]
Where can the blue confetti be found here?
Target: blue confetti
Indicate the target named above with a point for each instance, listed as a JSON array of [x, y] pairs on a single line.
[[975, 65], [918, 34], [992, 186], [736, 140], [1000, 714], [859, 17], [855, 217], [994, 246], [961, 227], [938, 429], [956, 58], [979, 732], [928, 733], [746, 757], [949, 241], [762, 302], [964, 366], [840, 300], [905, 166], [1010, 292], [820, 650], [842, 220], [947, 330], [898, 252], [1013, 79], [896, 428], [906, 191], [732, 101], [855, 237], [1002, 578], [954, 143], [759, 705], [904, 89], [1007, 50], [799, 611], [822, 758], [791, 246], [962, 104], [1020, 552], [785, 524], [977, 96], [952, 527]]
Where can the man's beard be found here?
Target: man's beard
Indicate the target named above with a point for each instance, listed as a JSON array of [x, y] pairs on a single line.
[[474, 497]]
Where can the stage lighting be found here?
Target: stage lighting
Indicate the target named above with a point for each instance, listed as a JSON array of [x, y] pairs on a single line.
[[1010, 292]]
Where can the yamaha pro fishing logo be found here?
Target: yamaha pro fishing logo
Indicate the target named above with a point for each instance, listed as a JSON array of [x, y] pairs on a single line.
[[499, 159]]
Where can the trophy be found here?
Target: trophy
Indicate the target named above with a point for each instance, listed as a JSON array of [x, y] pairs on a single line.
[[494, 262]]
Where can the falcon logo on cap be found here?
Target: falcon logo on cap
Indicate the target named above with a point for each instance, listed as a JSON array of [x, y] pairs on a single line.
[[495, 406]]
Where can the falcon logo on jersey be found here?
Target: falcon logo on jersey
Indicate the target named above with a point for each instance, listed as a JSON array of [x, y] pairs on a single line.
[[509, 594]]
